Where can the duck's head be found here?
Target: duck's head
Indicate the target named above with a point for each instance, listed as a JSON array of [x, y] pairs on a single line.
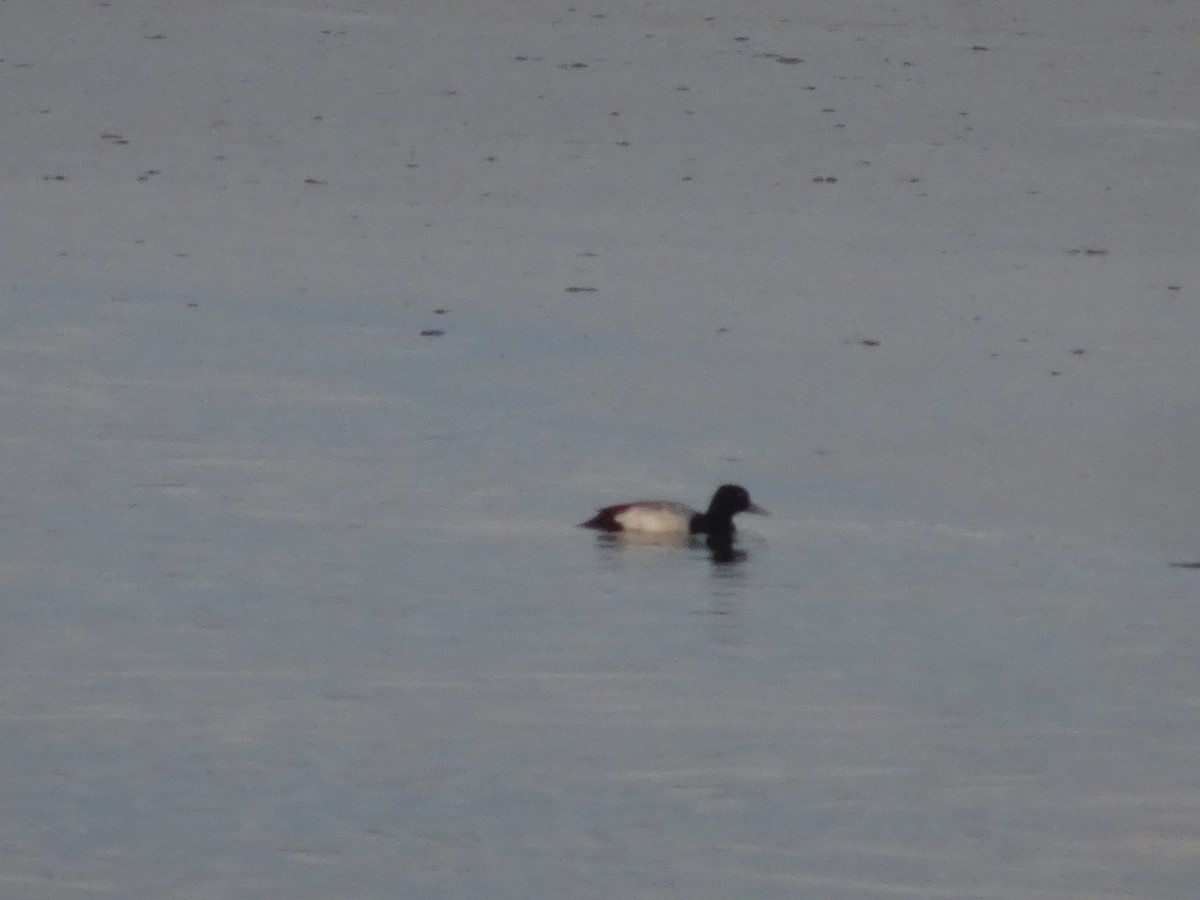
[[731, 499]]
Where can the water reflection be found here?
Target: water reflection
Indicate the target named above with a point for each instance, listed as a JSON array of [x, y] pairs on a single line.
[[724, 612], [724, 617], [611, 545], [721, 550]]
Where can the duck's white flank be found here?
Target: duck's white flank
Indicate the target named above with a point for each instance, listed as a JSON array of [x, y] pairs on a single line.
[[656, 518]]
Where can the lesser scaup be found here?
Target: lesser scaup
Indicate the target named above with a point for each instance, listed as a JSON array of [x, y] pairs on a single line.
[[664, 517]]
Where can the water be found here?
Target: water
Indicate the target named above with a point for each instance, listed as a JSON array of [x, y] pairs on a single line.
[[316, 625], [292, 600]]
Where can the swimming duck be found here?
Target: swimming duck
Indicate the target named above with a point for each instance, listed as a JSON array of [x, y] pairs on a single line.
[[665, 517]]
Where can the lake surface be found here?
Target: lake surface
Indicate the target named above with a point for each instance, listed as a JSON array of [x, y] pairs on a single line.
[[316, 353], [280, 633]]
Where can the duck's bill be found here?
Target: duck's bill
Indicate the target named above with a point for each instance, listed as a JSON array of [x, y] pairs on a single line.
[[757, 510]]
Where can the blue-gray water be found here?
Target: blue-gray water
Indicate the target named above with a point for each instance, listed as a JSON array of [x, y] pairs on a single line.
[[292, 600], [322, 625]]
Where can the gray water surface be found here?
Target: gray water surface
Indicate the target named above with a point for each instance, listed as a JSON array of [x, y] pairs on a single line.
[[292, 600], [258, 644]]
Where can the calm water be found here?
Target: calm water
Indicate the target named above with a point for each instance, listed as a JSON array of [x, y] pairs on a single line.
[[321, 625], [292, 600]]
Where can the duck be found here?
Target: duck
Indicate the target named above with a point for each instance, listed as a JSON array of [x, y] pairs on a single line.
[[665, 517]]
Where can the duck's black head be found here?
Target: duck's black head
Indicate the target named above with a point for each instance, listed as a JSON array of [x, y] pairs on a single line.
[[727, 502], [731, 499]]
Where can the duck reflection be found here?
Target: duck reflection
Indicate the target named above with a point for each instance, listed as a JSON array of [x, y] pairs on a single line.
[[721, 549]]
